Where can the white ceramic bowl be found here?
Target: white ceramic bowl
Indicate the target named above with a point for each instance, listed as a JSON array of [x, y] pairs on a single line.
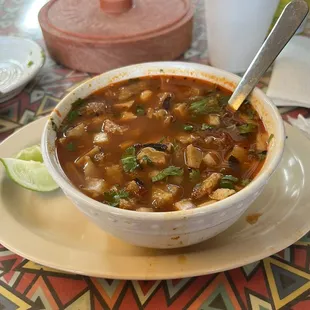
[[166, 229]]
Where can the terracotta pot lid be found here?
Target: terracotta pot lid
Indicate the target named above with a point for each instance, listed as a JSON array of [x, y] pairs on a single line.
[[110, 20]]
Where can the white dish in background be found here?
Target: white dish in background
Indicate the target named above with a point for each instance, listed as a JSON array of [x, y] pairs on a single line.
[[20, 61], [47, 229]]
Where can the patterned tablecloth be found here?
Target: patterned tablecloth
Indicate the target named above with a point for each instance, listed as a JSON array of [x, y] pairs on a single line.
[[280, 281]]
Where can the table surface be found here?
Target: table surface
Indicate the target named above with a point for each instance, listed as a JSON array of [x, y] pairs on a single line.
[[272, 283]]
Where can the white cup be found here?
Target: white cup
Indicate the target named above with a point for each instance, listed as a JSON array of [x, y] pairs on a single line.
[[235, 31]]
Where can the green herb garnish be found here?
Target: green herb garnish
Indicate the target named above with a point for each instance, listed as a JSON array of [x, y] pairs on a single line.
[[205, 106], [206, 127], [245, 182], [129, 160], [113, 197], [194, 175], [262, 155], [230, 178], [77, 103], [162, 140], [270, 138], [73, 115], [140, 110], [227, 184], [147, 160], [188, 127], [30, 63], [170, 171], [247, 128], [224, 100], [71, 147]]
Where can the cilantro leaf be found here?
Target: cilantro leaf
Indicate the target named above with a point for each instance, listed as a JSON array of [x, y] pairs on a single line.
[[205, 106], [113, 197], [247, 128], [77, 103], [30, 63], [230, 178], [73, 115], [194, 175], [227, 184], [129, 160], [169, 171], [188, 127]]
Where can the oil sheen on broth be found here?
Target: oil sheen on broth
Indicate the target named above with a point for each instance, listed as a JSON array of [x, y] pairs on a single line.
[[161, 143]]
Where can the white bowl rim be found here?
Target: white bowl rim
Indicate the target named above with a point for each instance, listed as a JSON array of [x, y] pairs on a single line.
[[222, 205], [33, 70]]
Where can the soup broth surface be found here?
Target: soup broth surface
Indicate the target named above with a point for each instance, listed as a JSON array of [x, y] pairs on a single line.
[[161, 143]]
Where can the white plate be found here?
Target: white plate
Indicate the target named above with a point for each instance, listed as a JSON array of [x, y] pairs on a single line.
[[20, 61], [49, 230]]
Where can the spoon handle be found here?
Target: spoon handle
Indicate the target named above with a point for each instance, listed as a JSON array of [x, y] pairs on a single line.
[[289, 21]]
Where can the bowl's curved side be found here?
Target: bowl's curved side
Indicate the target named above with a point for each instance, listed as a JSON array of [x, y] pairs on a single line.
[[166, 229]]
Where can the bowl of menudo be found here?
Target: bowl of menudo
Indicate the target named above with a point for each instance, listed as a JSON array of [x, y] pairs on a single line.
[[152, 155]]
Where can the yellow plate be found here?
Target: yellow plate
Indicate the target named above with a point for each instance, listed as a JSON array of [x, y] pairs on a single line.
[[46, 228]]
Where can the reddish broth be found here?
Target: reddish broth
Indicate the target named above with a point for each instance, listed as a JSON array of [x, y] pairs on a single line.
[[160, 143]]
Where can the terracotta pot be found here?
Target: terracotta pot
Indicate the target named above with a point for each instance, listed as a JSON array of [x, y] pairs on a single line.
[[98, 36]]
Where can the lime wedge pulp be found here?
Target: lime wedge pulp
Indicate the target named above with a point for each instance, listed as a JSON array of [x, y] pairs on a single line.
[[31, 174], [31, 153]]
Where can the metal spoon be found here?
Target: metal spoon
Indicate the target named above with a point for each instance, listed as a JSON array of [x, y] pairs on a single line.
[[288, 23]]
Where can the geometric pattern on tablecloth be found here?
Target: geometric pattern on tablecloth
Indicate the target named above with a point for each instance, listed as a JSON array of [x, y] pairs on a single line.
[[175, 286], [10, 301], [256, 303], [250, 269], [83, 302], [26, 285], [144, 289], [217, 295], [30, 266], [39, 287], [286, 282], [41, 295], [108, 291], [305, 240]]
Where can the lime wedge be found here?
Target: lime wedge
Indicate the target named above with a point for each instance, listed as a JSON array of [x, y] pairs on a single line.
[[31, 153], [31, 174]]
